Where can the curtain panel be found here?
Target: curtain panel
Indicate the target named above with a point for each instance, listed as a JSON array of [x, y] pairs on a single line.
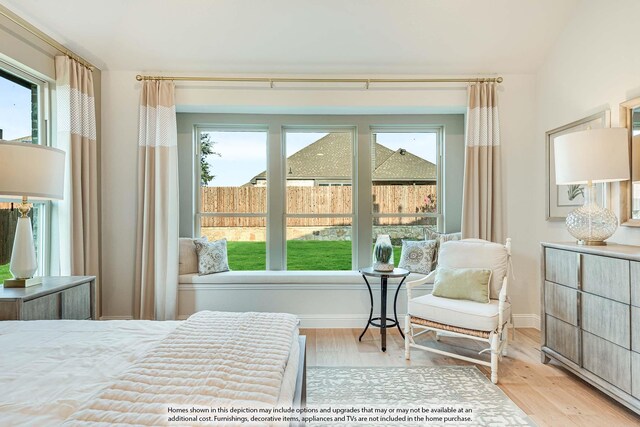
[[482, 210], [156, 286], [76, 135]]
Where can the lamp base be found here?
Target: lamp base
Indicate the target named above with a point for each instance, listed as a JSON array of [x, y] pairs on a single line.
[[592, 243], [22, 283], [591, 224]]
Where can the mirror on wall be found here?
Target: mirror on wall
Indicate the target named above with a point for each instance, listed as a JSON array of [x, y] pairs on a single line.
[[630, 209]]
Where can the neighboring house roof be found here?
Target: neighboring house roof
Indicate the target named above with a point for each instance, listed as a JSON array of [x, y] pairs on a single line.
[[330, 158]]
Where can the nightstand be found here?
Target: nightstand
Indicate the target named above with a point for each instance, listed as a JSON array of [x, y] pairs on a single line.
[[68, 297]]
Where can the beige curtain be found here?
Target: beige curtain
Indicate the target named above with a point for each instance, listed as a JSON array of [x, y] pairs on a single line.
[[156, 284], [78, 212], [482, 196]]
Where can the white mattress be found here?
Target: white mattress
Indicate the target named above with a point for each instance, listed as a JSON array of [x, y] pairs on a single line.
[[48, 369]]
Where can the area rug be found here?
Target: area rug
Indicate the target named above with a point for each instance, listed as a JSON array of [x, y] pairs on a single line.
[[407, 396]]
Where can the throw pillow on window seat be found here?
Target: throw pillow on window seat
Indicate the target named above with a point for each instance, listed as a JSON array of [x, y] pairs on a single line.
[[187, 257], [212, 256], [418, 255], [462, 283]]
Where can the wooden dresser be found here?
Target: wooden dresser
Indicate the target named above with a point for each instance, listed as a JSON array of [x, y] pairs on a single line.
[[591, 315], [71, 297]]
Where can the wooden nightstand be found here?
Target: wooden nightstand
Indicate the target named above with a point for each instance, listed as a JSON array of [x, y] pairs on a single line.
[[69, 297]]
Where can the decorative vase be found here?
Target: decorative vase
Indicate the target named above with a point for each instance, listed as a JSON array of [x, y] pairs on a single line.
[[590, 223], [383, 254]]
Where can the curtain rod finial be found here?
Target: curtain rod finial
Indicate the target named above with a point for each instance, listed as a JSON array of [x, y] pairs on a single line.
[[499, 79], [139, 78]]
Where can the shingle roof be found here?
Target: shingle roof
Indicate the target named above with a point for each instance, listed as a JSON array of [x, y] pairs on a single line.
[[330, 157]]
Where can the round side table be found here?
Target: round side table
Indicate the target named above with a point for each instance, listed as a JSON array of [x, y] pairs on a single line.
[[384, 276]]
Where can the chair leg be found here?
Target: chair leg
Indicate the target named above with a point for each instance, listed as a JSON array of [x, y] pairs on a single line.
[[495, 350], [505, 346], [407, 336]]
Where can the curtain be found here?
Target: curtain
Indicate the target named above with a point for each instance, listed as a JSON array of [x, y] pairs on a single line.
[[156, 285], [482, 209], [76, 134]]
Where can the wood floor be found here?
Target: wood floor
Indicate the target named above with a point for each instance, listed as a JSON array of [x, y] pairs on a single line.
[[549, 394]]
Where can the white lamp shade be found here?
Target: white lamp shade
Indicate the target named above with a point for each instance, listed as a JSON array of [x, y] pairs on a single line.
[[598, 155], [31, 170]]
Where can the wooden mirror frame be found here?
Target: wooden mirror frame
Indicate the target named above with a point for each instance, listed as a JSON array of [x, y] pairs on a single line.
[[626, 109]]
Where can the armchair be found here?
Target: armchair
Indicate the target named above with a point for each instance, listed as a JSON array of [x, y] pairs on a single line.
[[462, 318]]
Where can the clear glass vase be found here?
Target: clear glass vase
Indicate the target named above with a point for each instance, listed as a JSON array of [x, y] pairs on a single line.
[[383, 253], [590, 223]]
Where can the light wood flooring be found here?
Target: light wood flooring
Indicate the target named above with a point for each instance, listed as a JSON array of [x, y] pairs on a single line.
[[549, 394]]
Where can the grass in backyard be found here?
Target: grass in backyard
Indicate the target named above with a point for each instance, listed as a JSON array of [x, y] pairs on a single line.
[[4, 272], [301, 255]]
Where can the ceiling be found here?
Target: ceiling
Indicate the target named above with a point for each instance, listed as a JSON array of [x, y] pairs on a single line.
[[305, 36]]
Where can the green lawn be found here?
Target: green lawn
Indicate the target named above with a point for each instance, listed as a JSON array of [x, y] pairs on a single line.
[[4, 272], [301, 254]]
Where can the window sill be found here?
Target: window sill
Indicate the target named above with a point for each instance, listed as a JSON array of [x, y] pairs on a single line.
[[282, 280]]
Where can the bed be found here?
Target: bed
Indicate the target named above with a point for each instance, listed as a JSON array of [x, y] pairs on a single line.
[[80, 372]]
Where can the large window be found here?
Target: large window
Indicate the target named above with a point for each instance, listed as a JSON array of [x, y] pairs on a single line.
[[405, 191], [20, 106], [232, 193], [305, 192], [319, 193]]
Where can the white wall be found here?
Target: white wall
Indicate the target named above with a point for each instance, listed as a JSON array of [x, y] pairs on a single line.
[[119, 152], [595, 64]]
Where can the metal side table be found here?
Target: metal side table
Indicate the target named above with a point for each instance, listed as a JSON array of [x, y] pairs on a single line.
[[384, 276]]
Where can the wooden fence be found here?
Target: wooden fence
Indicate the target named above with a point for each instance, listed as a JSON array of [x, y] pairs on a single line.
[[405, 199]]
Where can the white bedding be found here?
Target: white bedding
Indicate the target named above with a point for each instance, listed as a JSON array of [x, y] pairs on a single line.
[[50, 369]]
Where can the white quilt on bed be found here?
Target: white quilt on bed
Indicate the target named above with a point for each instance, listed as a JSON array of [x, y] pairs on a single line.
[[211, 360], [48, 369]]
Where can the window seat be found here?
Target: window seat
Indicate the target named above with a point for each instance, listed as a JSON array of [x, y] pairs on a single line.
[[284, 277]]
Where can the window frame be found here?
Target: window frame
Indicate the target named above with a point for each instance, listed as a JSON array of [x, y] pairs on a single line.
[[43, 138], [439, 131], [450, 128], [353, 129], [197, 205]]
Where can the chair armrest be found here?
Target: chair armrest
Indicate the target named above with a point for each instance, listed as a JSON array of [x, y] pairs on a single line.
[[502, 302], [503, 291], [429, 278]]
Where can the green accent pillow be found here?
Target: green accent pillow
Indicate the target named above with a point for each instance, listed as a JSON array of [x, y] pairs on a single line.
[[462, 283]]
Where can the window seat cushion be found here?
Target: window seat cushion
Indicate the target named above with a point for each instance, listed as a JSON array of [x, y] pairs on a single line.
[[285, 277]]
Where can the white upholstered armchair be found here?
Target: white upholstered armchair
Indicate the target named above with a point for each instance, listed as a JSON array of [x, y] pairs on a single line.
[[463, 318]]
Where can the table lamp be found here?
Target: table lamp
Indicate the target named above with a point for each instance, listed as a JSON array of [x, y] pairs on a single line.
[[588, 157], [28, 172]]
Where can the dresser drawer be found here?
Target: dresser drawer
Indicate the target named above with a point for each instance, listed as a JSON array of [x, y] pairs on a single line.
[[635, 372], [75, 303], [610, 362], [635, 283], [606, 277], [607, 319], [635, 329], [561, 267], [43, 308], [561, 302], [563, 338]]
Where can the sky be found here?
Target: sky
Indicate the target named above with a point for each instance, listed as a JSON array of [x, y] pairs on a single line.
[[243, 155], [15, 110]]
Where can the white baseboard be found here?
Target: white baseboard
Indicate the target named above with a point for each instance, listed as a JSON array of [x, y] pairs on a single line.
[[526, 321]]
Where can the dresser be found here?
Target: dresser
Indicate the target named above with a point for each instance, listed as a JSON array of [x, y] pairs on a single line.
[[591, 315], [70, 297]]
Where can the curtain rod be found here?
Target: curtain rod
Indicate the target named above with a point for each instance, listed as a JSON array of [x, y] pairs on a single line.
[[272, 80], [42, 36]]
